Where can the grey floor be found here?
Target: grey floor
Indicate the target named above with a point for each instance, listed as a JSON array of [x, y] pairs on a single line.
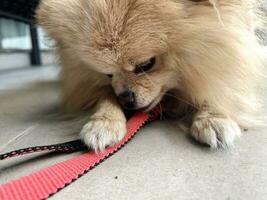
[[160, 163]]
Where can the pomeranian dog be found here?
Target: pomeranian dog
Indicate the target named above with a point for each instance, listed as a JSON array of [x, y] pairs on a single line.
[[196, 58]]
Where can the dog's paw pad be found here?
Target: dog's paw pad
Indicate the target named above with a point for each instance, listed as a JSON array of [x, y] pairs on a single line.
[[215, 132], [100, 133]]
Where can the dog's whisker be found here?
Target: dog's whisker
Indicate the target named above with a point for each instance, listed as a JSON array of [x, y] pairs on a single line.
[[161, 111], [181, 100], [170, 95], [149, 79]]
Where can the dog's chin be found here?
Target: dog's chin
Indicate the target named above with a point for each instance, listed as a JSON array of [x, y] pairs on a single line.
[[151, 105]]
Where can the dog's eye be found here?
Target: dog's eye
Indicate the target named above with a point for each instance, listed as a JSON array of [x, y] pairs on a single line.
[[146, 66], [110, 75]]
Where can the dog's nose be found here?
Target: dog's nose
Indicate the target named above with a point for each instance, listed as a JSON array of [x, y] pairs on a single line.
[[127, 99]]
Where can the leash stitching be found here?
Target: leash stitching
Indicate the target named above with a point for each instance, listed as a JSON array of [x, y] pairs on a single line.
[[102, 160]]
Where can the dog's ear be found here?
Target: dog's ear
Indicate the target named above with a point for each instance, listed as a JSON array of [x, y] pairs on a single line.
[[59, 17], [214, 3], [199, 1], [211, 2]]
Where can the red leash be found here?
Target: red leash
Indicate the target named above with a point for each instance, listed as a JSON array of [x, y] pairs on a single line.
[[48, 181]]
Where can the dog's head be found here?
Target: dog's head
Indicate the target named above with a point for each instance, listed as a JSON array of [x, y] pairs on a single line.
[[130, 41], [148, 47]]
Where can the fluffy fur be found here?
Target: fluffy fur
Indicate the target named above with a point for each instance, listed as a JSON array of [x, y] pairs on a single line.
[[206, 53]]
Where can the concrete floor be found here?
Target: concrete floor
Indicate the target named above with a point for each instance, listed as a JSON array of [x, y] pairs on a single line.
[[160, 163]]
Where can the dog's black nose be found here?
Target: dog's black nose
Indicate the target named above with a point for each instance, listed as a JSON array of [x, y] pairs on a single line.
[[127, 99]]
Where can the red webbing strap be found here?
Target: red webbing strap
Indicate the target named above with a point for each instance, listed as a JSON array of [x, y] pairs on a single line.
[[48, 181]]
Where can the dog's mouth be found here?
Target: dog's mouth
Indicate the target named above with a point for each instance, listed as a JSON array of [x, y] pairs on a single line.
[[148, 107], [152, 105]]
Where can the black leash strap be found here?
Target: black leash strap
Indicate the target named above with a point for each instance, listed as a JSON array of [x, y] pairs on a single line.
[[71, 146]]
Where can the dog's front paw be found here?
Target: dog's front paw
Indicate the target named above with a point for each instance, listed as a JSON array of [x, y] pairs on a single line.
[[215, 131], [101, 132]]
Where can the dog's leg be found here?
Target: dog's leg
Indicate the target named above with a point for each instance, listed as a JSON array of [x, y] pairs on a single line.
[[106, 126], [213, 129]]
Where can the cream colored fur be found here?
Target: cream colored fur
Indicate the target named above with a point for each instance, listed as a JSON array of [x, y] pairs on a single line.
[[207, 53]]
